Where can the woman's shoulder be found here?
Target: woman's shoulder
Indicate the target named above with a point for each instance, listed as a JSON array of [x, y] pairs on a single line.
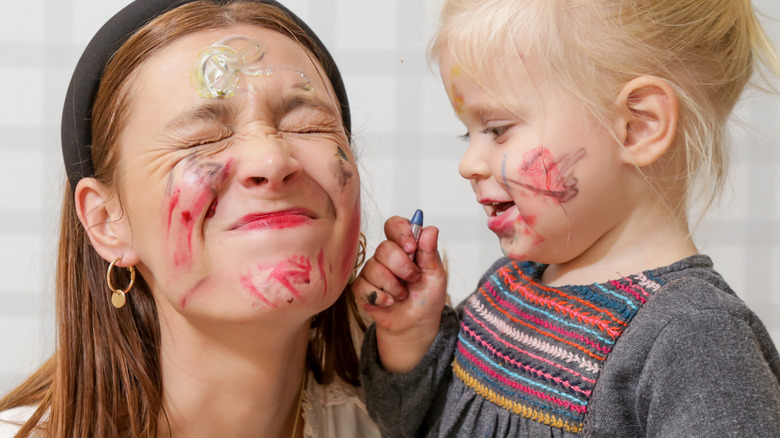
[[336, 410], [13, 419]]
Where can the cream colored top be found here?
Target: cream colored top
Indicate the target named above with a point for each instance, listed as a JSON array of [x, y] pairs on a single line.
[[335, 410]]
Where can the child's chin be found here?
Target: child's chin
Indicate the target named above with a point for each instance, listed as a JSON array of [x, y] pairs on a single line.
[[513, 250]]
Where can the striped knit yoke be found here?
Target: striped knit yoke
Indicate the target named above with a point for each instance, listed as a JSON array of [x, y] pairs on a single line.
[[537, 351]]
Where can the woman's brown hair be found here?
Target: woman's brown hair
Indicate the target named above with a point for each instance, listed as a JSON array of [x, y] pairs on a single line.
[[104, 378]]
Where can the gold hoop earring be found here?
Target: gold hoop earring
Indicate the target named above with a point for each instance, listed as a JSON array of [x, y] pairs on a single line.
[[361, 255], [118, 298]]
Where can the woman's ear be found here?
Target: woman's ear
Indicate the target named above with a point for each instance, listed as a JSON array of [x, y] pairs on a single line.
[[103, 218], [648, 113]]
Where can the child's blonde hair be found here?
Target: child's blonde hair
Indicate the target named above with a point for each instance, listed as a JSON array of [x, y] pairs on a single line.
[[705, 49]]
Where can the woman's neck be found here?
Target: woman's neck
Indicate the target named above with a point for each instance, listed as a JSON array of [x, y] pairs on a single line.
[[230, 381]]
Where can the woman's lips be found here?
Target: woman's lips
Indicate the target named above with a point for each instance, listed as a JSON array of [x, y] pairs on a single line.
[[274, 221]]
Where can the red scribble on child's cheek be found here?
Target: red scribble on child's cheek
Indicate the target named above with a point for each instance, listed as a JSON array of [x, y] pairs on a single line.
[[540, 173]]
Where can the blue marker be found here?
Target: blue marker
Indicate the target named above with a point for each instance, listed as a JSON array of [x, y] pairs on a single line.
[[417, 224]]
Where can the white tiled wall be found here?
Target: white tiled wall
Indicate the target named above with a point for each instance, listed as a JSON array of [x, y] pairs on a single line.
[[404, 129]]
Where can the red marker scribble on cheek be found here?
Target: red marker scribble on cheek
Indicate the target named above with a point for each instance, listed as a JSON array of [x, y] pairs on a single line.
[[195, 193], [172, 206], [530, 220], [524, 223], [320, 259], [289, 273], [246, 282], [295, 270], [541, 174]]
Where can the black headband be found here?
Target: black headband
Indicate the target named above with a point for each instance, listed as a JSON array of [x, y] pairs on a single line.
[[76, 128]]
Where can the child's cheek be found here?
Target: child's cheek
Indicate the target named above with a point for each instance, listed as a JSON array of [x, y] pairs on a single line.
[[539, 172]]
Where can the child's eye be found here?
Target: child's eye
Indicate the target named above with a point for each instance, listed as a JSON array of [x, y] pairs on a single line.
[[465, 137], [496, 131]]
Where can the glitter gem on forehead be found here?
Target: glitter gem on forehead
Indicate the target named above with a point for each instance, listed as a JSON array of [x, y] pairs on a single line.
[[218, 68]]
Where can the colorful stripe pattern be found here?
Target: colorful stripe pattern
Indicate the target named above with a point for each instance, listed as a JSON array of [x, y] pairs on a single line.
[[537, 351]]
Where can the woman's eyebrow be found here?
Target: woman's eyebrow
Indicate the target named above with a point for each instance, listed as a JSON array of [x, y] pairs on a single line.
[[219, 111], [285, 104]]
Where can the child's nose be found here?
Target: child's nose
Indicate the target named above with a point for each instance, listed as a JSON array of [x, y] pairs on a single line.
[[473, 165]]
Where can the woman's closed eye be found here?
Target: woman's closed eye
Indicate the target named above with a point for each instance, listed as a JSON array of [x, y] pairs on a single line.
[[309, 121], [208, 140]]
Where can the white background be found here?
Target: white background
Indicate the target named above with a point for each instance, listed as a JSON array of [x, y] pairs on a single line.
[[405, 132]]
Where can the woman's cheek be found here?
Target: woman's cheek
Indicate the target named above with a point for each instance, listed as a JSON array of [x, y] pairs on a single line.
[[343, 170], [191, 196], [351, 241]]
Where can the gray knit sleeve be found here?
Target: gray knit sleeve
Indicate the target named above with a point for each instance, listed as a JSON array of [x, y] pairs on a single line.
[[710, 374], [409, 405]]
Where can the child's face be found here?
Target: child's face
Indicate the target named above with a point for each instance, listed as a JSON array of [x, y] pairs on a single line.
[[546, 173]]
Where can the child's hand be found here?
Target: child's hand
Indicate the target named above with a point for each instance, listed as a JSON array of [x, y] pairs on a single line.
[[404, 297]]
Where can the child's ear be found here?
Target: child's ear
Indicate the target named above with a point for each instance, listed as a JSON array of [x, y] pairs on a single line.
[[103, 218], [648, 112]]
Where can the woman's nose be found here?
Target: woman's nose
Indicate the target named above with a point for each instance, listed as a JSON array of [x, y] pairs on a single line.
[[266, 161], [473, 165]]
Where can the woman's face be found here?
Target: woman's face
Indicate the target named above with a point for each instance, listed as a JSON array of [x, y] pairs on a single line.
[[240, 203]]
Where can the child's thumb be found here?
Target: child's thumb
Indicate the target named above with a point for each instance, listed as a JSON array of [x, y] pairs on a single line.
[[427, 256]]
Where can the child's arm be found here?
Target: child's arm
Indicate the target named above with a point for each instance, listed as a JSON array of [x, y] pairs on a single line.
[[404, 297]]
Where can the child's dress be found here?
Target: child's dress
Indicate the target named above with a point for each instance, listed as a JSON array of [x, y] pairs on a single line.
[[666, 352]]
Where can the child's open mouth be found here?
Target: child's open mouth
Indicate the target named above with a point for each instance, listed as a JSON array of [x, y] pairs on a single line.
[[498, 208]]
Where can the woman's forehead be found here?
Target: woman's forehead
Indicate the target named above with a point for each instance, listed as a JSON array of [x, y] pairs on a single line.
[[221, 62]]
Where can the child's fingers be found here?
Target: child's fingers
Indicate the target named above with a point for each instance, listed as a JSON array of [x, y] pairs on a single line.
[[378, 298], [378, 284], [390, 255], [427, 256], [399, 230]]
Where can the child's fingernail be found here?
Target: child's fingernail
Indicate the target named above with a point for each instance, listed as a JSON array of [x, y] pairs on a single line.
[[372, 298], [389, 301]]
